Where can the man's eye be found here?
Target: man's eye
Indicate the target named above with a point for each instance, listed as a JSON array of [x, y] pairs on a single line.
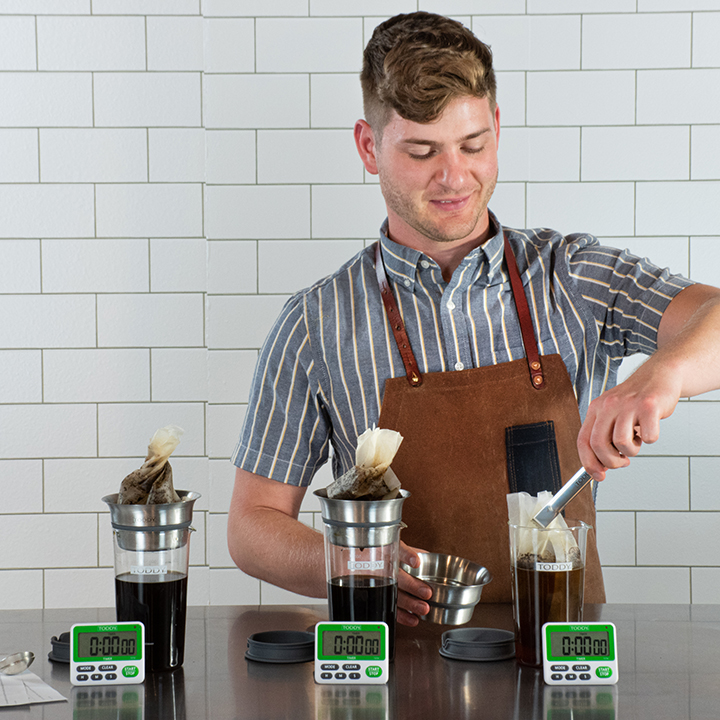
[[474, 149], [421, 156]]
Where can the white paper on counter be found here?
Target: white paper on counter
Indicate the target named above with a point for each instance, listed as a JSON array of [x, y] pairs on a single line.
[[12, 691], [26, 688]]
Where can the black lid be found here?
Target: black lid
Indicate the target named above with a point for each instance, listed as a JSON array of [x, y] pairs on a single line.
[[478, 644], [60, 648], [281, 646]]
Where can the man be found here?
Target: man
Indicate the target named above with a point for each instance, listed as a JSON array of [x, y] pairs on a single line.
[[476, 342]]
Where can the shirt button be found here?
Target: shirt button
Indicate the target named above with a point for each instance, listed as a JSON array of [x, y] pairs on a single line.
[[406, 282], [450, 305], [425, 264], [459, 366]]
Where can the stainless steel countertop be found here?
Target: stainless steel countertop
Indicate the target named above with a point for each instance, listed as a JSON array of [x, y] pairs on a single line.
[[669, 663]]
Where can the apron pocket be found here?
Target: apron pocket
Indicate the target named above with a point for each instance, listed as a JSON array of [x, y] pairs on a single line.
[[532, 458]]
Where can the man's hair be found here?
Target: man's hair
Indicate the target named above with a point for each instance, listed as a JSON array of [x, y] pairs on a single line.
[[416, 64]]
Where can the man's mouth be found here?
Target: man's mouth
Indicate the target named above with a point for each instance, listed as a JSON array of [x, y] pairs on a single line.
[[451, 203]]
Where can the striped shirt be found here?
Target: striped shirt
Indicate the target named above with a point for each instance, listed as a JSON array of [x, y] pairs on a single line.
[[320, 376]]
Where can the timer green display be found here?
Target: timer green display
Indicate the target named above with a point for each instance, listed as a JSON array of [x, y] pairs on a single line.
[[93, 645], [351, 652], [122, 642], [580, 654], [107, 654], [575, 642], [351, 640], [579, 644], [358, 643]]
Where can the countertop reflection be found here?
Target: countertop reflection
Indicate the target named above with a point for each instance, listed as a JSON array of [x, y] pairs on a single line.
[[668, 656]]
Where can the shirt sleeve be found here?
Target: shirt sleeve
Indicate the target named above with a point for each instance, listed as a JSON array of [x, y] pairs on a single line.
[[626, 294], [285, 435]]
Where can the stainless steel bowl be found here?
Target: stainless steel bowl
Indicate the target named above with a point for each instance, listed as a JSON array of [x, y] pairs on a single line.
[[456, 585]]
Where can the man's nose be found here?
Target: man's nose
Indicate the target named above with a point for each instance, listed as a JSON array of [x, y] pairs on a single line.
[[452, 171]]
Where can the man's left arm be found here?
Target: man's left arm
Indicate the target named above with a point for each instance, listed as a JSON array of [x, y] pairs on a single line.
[[686, 363]]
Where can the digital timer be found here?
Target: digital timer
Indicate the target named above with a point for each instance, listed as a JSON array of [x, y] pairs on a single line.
[[579, 654], [111, 654], [354, 653]]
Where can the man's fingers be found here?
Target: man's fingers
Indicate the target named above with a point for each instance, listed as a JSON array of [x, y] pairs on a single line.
[[412, 604], [625, 439], [412, 594], [595, 454], [406, 618], [413, 587], [409, 555]]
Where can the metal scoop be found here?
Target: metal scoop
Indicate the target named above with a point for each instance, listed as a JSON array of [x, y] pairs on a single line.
[[562, 497], [16, 663]]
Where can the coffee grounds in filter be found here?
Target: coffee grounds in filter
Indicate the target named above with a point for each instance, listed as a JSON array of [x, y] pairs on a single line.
[[371, 478], [152, 483]]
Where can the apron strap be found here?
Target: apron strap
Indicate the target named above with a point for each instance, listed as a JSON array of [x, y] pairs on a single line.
[[523, 311], [412, 371]]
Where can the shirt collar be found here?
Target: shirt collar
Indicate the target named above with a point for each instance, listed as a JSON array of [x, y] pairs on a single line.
[[401, 262]]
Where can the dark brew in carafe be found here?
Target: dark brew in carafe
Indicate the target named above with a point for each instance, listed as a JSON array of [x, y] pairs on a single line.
[[543, 596], [364, 597], [159, 603]]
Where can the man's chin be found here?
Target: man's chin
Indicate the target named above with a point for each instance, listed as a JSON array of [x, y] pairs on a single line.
[[451, 233]]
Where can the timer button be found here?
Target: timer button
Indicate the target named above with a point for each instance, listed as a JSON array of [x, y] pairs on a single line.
[[85, 668], [326, 676], [351, 666], [559, 668], [81, 678], [329, 666], [585, 676], [107, 668], [111, 676], [581, 668], [96, 676], [571, 676], [354, 676], [556, 676], [340, 676]]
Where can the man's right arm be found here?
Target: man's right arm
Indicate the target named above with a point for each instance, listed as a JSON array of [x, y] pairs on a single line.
[[267, 541]]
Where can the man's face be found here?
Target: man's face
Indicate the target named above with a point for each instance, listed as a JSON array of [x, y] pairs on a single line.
[[437, 178]]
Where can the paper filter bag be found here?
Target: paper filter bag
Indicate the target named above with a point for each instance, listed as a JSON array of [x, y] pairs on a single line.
[[371, 478], [533, 544]]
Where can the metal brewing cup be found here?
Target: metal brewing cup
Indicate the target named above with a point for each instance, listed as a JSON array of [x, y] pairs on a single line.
[[361, 523], [152, 527]]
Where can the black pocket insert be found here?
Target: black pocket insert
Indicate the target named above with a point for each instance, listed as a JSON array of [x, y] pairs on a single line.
[[532, 458]]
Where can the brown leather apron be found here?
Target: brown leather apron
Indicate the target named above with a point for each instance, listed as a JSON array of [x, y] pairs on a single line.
[[453, 456]]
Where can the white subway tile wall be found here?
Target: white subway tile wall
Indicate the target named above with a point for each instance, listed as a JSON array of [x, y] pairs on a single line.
[[171, 170]]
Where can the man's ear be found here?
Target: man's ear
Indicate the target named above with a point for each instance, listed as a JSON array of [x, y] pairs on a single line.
[[366, 147]]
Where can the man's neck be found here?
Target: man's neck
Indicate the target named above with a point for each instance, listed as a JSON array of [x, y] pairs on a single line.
[[448, 255]]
